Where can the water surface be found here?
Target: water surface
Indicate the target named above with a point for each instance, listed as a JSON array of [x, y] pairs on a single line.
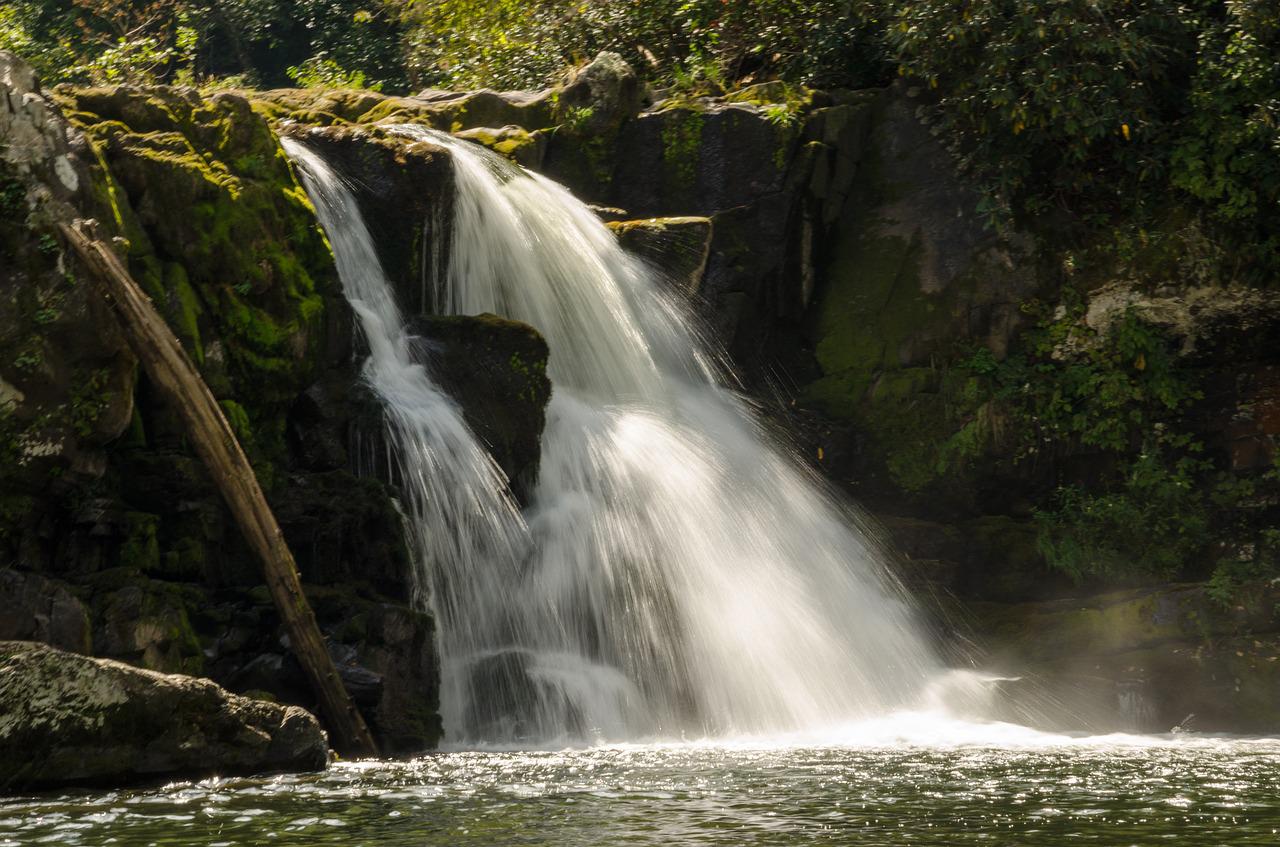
[[1031, 790]]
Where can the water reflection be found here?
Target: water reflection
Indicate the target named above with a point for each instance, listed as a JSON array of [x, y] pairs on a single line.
[[1114, 790]]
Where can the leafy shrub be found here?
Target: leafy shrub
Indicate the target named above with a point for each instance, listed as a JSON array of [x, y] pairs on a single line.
[[509, 43], [1105, 108], [323, 72]]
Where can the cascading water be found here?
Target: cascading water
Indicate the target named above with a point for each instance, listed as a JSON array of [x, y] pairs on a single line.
[[467, 535], [685, 575]]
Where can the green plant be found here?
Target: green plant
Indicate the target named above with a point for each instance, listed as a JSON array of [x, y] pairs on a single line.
[[323, 72], [576, 119]]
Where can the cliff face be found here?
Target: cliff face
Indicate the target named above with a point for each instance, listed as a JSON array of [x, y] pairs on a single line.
[[1024, 416], [113, 539]]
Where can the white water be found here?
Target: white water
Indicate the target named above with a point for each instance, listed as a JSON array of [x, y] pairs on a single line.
[[679, 574], [459, 516]]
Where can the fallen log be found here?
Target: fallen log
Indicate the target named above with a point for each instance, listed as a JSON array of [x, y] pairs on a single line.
[[171, 370]]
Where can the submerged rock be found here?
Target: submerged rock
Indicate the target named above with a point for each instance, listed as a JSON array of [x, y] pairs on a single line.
[[67, 719]]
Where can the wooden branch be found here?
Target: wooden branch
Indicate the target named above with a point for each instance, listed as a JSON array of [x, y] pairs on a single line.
[[169, 367]]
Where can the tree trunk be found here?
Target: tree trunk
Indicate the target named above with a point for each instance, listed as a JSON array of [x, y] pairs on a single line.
[[169, 367]]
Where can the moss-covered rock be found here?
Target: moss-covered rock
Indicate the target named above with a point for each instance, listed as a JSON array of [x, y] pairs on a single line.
[[68, 719], [678, 248], [496, 370], [221, 236], [520, 146], [449, 111]]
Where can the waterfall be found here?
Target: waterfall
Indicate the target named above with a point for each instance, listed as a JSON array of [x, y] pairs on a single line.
[[677, 572], [466, 534]]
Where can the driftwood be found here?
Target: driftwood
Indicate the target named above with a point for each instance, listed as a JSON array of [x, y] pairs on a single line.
[[169, 367]]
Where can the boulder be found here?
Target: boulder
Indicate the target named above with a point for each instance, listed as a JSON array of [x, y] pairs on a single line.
[[606, 91], [496, 370], [66, 719]]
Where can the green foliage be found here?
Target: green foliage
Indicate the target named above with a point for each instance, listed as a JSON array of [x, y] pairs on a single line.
[[688, 43], [323, 72], [1146, 502], [199, 42], [1073, 387], [1093, 534], [1105, 108]]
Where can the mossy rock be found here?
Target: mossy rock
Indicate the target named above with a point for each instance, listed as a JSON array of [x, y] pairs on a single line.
[[70, 720], [678, 248], [496, 370], [222, 237], [520, 146], [912, 284]]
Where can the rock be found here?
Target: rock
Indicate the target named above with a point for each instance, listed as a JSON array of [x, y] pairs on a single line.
[[66, 375], [450, 111], [496, 371], [66, 719], [33, 608], [147, 622], [698, 157], [344, 530], [1143, 659], [405, 192], [677, 247], [608, 91], [522, 147]]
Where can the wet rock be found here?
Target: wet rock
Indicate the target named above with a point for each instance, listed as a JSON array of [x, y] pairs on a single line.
[[677, 247], [405, 192], [496, 370], [66, 719]]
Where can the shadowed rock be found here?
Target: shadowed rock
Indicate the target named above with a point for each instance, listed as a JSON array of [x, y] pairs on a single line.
[[66, 719]]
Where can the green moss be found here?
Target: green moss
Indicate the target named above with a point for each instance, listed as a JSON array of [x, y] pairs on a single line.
[[183, 310], [221, 236], [141, 548], [534, 374], [681, 146]]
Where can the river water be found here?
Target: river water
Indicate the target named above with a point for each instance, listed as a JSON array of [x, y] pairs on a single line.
[[1031, 789]]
